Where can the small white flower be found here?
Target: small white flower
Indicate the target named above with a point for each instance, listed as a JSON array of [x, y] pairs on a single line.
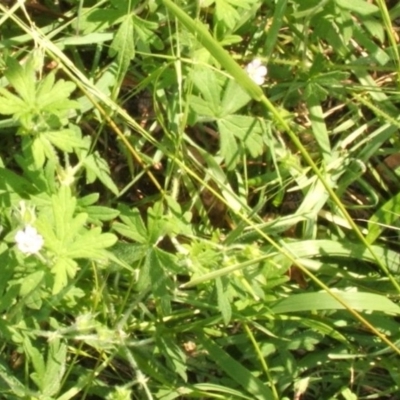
[[256, 71], [29, 241]]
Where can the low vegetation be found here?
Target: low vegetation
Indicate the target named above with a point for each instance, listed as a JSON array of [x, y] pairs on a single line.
[[199, 199]]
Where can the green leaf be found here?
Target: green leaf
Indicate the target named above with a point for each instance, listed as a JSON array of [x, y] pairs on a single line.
[[247, 129], [145, 30], [100, 213], [361, 7], [65, 139], [234, 98], [229, 148], [173, 353], [63, 207], [224, 304], [236, 371], [318, 125], [123, 45], [28, 289], [385, 217], [56, 99], [23, 79], [202, 34], [154, 273], [16, 387], [36, 357], [133, 226], [157, 222], [206, 82], [63, 269], [202, 107], [324, 301], [91, 244], [38, 151], [55, 367], [9, 103], [99, 168]]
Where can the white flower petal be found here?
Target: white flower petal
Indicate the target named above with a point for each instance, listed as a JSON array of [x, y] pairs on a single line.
[[29, 241], [256, 71]]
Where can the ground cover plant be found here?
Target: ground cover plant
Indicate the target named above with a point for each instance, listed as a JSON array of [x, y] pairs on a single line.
[[199, 199]]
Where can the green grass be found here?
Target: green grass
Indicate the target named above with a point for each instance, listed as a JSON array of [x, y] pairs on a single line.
[[196, 235]]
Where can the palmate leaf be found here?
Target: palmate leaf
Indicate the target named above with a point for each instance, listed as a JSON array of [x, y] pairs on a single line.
[[123, 45], [202, 107], [55, 367], [97, 167], [54, 97], [226, 10], [10, 104], [66, 236], [91, 244], [133, 226], [23, 79], [234, 98], [207, 83], [249, 132], [64, 139], [145, 30]]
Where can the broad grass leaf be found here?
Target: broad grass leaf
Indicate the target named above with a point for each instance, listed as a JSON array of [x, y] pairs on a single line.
[[173, 354], [275, 27], [10, 381], [324, 301], [385, 217], [375, 28], [375, 53], [235, 370], [320, 131], [334, 248], [324, 328], [361, 7], [229, 393], [223, 299]]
